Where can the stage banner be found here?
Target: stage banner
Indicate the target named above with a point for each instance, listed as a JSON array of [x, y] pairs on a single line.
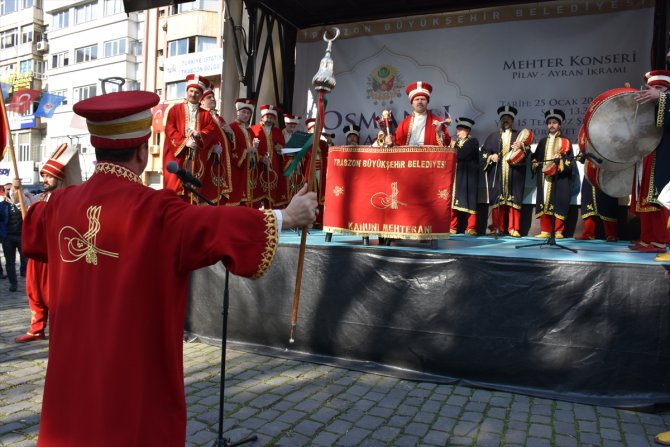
[[398, 192]]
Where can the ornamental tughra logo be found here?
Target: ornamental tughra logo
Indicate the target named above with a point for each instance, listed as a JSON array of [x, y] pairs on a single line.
[[385, 84], [74, 246]]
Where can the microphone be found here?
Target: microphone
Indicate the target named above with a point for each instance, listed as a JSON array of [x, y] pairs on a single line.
[[173, 168]]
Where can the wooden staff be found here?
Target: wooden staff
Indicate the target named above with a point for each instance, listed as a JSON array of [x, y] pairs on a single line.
[[12, 153], [323, 82]]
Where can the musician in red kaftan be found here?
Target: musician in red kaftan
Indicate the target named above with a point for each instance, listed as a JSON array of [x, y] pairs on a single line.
[[271, 180], [189, 137], [244, 159], [651, 175], [120, 255], [54, 173], [421, 128], [218, 157]]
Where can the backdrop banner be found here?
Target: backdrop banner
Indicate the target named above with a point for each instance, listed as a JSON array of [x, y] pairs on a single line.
[[534, 57], [398, 192]]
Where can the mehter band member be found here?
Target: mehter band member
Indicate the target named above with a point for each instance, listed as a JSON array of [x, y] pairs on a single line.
[[504, 162], [421, 128], [553, 165], [466, 182]]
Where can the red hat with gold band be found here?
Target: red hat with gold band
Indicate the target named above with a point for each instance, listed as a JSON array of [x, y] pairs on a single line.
[[197, 81], [419, 88], [120, 120], [658, 77], [245, 103], [291, 119], [55, 166], [268, 109]]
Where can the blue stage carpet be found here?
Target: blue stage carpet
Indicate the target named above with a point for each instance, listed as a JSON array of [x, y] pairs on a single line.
[[505, 246]]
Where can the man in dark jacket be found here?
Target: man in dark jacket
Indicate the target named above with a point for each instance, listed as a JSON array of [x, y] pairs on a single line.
[[12, 241]]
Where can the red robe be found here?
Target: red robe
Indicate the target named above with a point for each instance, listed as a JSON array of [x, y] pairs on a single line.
[[38, 291], [174, 149], [119, 256], [220, 170], [273, 183], [430, 137], [245, 167]]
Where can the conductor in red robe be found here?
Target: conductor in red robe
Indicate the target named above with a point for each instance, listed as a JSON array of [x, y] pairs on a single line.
[[422, 128], [189, 135], [119, 256]]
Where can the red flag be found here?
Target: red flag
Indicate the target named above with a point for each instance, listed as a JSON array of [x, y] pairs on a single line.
[[158, 123], [22, 100], [3, 136], [4, 128]]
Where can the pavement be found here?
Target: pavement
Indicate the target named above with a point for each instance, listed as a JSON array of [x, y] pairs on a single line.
[[286, 402]]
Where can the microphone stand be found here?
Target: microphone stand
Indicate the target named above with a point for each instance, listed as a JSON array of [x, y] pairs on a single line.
[[551, 240], [220, 440]]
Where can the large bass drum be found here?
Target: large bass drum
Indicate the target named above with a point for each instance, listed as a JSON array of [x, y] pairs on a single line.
[[620, 130], [612, 183]]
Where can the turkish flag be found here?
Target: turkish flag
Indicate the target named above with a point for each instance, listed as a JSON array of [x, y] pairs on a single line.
[[22, 100], [158, 123]]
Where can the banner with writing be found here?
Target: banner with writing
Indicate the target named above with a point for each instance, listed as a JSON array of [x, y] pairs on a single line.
[[399, 192]]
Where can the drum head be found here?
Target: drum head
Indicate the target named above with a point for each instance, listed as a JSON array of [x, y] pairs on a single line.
[[619, 129], [616, 184]]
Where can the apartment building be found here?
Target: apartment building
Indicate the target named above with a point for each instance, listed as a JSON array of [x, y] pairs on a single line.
[[22, 65], [94, 47]]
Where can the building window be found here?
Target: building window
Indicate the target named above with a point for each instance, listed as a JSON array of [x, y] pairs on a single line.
[[8, 6], [7, 70], [205, 43], [61, 19], [115, 47], [191, 44], [24, 152], [38, 67], [86, 54], [177, 47], [26, 33], [9, 38], [25, 4], [85, 13], [59, 60], [113, 7], [26, 66], [83, 92], [136, 47], [176, 90], [203, 5], [62, 93]]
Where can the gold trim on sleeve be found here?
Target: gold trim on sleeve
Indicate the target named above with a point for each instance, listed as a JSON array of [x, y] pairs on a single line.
[[271, 242]]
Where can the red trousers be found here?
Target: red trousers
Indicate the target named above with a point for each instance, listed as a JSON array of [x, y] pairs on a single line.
[[472, 220], [653, 227], [498, 218], [38, 295], [611, 231], [545, 224]]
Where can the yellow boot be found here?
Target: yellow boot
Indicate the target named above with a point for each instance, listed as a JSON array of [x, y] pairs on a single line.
[[663, 257], [663, 438]]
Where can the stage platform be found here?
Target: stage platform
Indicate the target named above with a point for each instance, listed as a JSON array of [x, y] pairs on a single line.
[[591, 326]]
